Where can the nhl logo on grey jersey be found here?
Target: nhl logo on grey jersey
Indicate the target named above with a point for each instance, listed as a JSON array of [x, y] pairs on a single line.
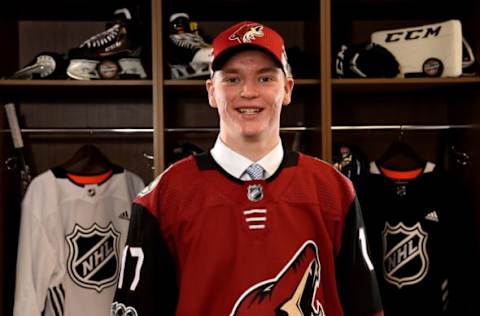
[[405, 258], [93, 256]]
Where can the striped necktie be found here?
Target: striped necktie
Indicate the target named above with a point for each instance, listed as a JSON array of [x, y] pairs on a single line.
[[255, 171]]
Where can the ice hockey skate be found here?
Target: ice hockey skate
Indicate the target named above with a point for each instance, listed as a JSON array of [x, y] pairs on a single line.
[[117, 39], [83, 69], [111, 54], [90, 69], [188, 54], [131, 68]]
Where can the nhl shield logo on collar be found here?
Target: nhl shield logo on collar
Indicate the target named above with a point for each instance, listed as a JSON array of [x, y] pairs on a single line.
[[255, 192]]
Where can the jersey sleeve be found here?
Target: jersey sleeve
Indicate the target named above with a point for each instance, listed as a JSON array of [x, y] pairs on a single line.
[[135, 184], [356, 279], [147, 282], [459, 221], [36, 255]]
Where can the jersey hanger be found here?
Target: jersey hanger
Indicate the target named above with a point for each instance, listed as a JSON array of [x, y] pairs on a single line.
[[400, 156], [88, 160]]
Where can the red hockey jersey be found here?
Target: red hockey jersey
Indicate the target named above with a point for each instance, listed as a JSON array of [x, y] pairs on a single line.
[[204, 243]]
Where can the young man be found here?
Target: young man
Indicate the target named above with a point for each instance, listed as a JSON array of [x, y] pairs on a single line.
[[212, 237]]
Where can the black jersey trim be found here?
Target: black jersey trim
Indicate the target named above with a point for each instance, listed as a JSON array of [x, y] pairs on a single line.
[[60, 173], [290, 159], [56, 296], [205, 162]]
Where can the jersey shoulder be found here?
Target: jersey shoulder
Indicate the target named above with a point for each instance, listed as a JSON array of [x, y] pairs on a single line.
[[135, 182], [323, 170], [176, 178], [330, 184], [41, 186]]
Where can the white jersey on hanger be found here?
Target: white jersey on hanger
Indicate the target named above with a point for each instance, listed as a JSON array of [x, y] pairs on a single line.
[[71, 236]]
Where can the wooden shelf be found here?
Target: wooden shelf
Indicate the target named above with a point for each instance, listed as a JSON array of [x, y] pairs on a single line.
[[13, 89], [369, 85], [74, 83]]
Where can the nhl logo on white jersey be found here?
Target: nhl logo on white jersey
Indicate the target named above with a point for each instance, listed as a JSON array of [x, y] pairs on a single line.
[[93, 256], [405, 258], [255, 192]]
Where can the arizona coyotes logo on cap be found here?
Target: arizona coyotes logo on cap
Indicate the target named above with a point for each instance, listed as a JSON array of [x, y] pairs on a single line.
[[247, 33]]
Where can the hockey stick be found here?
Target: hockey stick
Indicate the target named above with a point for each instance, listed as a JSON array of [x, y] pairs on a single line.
[[25, 175]]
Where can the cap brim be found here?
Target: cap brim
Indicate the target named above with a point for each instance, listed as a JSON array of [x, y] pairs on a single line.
[[219, 61]]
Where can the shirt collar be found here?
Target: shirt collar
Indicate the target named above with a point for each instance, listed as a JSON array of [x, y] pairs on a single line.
[[235, 164]]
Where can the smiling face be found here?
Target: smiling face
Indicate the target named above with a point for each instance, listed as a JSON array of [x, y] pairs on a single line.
[[249, 92]]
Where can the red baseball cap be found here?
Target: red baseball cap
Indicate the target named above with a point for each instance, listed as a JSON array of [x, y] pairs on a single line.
[[248, 35]]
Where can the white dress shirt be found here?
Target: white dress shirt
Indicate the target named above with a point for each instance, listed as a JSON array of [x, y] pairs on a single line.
[[235, 164]]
